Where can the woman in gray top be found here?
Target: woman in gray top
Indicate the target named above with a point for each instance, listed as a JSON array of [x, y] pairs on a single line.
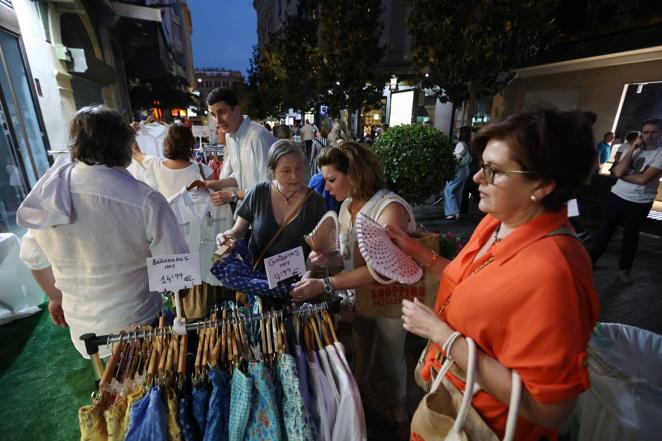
[[269, 204]]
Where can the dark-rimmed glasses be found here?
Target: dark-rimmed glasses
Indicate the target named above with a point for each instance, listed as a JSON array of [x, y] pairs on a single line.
[[489, 172]]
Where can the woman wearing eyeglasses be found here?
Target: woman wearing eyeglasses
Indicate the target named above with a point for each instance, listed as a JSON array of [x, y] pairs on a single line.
[[522, 287]]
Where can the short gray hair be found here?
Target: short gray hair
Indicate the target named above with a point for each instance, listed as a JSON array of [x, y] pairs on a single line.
[[281, 148]]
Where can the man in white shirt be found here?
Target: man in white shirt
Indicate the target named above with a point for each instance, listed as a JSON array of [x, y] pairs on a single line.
[[631, 198], [307, 135], [92, 226], [246, 148]]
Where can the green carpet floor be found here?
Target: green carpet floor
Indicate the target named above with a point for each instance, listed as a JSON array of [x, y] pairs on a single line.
[[43, 381]]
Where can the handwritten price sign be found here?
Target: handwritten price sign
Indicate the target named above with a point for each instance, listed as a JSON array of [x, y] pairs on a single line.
[[172, 273], [285, 265]]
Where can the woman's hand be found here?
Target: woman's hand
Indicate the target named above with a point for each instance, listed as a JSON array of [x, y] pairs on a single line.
[[421, 320], [57, 315], [306, 289], [319, 258], [402, 239], [227, 238]]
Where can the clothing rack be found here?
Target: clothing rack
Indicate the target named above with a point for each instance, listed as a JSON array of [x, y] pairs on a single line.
[[93, 341]]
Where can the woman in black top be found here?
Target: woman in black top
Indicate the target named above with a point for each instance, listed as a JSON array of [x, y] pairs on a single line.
[[269, 204]]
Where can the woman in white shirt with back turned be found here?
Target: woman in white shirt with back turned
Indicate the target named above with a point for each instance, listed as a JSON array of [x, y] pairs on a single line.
[[177, 170], [92, 226]]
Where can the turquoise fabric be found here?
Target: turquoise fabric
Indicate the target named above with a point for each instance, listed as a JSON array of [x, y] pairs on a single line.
[[240, 404], [298, 424], [264, 419]]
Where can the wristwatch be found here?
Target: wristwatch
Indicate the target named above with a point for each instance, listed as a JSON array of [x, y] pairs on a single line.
[[328, 285], [235, 197]]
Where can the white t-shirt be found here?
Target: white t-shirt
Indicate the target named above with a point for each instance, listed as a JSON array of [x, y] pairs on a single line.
[[150, 138], [200, 222], [640, 193], [170, 181], [307, 132]]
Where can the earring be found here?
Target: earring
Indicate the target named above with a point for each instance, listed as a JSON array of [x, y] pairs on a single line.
[[534, 198]]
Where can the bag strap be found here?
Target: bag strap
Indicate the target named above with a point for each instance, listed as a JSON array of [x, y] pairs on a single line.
[[562, 231], [282, 227], [469, 389], [201, 170]]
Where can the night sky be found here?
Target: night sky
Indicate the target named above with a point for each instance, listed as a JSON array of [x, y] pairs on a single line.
[[224, 32]]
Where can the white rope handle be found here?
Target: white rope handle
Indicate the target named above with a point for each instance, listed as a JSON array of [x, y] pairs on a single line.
[[471, 387]]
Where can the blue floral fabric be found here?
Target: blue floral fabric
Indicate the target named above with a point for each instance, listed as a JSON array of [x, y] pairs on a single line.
[[240, 404], [298, 426], [187, 423], [219, 407], [148, 418], [199, 405], [236, 272], [264, 419]]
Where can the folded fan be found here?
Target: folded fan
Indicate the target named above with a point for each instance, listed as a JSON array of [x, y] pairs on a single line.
[[325, 235], [383, 255]]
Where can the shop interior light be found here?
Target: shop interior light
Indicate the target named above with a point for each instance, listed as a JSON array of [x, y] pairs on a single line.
[[393, 84], [640, 87]]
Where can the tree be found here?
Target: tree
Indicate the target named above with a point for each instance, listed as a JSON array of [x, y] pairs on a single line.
[[470, 48], [284, 72], [350, 54]]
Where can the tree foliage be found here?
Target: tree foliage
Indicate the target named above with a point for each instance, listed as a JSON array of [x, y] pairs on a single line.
[[350, 53], [469, 48], [417, 160]]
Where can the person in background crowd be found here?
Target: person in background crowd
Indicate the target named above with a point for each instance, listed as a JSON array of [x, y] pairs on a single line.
[[604, 147], [177, 170], [339, 132], [283, 132], [216, 165], [455, 187], [269, 204], [631, 198], [522, 287], [246, 147], [91, 227], [307, 135], [354, 175], [470, 187], [317, 181], [630, 138]]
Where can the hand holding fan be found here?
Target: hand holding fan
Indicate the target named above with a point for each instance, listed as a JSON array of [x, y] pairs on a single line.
[[383, 255]]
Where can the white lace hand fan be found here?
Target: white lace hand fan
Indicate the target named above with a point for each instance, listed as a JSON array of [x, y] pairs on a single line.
[[325, 235], [383, 255]]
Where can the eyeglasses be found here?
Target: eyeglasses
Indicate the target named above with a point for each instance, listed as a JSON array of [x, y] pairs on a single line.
[[490, 172]]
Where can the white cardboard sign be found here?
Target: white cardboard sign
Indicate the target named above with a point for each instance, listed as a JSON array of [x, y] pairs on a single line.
[[285, 265], [174, 272], [200, 131]]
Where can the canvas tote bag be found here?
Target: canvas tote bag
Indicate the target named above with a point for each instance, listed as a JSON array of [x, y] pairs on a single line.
[[383, 298], [445, 414]]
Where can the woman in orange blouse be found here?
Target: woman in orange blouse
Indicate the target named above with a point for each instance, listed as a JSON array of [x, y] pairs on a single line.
[[522, 288]]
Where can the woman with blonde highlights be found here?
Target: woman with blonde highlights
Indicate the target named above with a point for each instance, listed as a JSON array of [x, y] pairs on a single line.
[[354, 175]]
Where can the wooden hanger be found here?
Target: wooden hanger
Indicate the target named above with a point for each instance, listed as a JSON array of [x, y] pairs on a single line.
[[181, 366], [329, 322], [109, 371], [316, 333]]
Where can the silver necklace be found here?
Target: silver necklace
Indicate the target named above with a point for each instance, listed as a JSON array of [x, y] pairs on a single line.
[[287, 198]]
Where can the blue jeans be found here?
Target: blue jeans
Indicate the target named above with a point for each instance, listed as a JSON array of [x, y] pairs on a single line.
[[453, 191]]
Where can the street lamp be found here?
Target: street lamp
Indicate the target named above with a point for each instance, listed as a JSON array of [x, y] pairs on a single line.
[[393, 84]]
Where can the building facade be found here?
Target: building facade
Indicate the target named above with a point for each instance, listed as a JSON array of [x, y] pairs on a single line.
[[210, 78]]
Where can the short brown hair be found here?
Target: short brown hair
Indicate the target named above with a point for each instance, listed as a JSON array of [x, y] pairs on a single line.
[[178, 143], [361, 165], [99, 135], [553, 145]]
